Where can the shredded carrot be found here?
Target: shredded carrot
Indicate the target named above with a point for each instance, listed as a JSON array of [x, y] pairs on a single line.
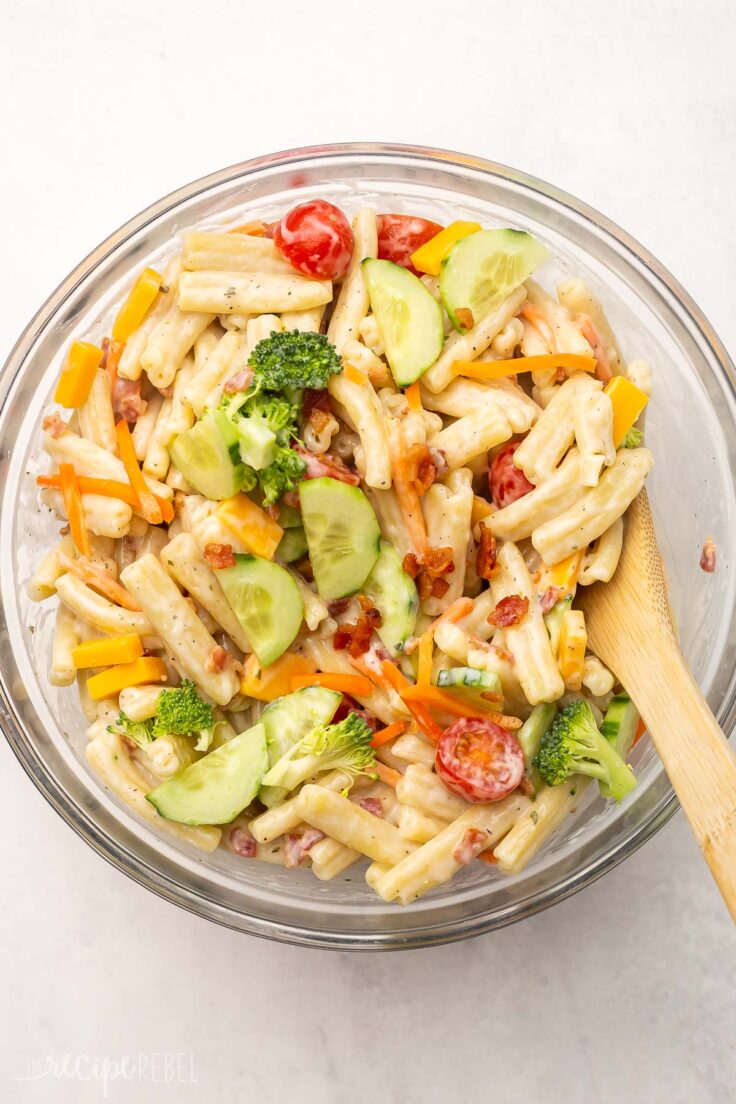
[[414, 398], [375, 676], [113, 353], [107, 488], [495, 369], [425, 648], [74, 508], [147, 502], [533, 314], [421, 715], [398, 728], [387, 774], [640, 730], [256, 229], [455, 612], [355, 685], [411, 507], [433, 698], [98, 579], [353, 374]]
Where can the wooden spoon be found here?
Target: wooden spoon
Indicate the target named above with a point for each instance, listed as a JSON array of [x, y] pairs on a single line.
[[630, 628]]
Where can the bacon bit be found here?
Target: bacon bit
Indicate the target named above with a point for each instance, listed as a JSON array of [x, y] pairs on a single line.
[[217, 660], [127, 402], [440, 462], [473, 841], [338, 606], [304, 568], [603, 369], [296, 847], [331, 466], [355, 637], [464, 316], [485, 563], [54, 425], [708, 556], [291, 498], [241, 381], [550, 598], [503, 720], [438, 561], [420, 468], [112, 351], [316, 408], [372, 805], [509, 611], [428, 571], [219, 556], [242, 843], [410, 564]]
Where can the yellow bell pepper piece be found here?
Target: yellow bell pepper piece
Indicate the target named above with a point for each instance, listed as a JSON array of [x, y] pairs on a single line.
[[105, 653], [251, 525], [429, 257], [481, 510], [628, 402], [136, 306], [269, 683], [563, 575], [112, 681], [571, 648], [76, 379]]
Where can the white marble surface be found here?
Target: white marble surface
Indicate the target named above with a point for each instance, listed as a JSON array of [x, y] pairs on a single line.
[[622, 994]]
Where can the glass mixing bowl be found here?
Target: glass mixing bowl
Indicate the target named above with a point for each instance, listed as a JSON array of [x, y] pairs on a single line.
[[691, 428]]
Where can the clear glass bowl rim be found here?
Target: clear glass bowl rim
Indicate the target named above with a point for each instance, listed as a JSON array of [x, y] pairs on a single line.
[[173, 890]]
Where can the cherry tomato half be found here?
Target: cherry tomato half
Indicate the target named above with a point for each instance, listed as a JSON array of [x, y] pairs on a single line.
[[401, 235], [479, 760], [316, 239], [505, 481]]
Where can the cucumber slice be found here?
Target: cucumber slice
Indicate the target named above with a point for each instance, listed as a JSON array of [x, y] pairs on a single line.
[[470, 684], [409, 318], [553, 621], [530, 738], [267, 603], [342, 533], [202, 455], [484, 268], [619, 728], [219, 786], [287, 721], [394, 595], [257, 443], [293, 545]]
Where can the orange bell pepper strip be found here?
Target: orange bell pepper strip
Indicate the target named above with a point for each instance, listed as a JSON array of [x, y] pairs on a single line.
[[428, 258], [74, 509], [148, 504], [628, 401], [414, 398], [390, 732], [274, 681], [99, 580], [137, 305], [357, 686], [105, 653], [354, 374], [497, 369], [421, 715], [78, 375], [115, 679]]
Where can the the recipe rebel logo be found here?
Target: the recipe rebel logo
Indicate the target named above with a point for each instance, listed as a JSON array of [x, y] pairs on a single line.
[[157, 1067]]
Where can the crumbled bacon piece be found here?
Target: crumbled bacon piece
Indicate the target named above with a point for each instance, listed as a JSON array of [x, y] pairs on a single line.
[[219, 556], [355, 636], [291, 498], [325, 465], [316, 408], [550, 598], [438, 561], [127, 402], [349, 705], [420, 468], [486, 559], [708, 556], [471, 844], [217, 660], [338, 606], [429, 570], [465, 317], [242, 843], [241, 381], [296, 846], [509, 611], [54, 425], [411, 565], [304, 567], [371, 805]]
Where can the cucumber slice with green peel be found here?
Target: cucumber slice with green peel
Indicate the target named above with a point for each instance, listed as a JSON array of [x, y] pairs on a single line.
[[292, 546], [342, 533], [256, 442], [530, 738], [471, 684], [483, 269], [218, 787], [203, 456], [619, 728], [287, 721], [267, 603], [553, 621], [394, 594], [409, 318]]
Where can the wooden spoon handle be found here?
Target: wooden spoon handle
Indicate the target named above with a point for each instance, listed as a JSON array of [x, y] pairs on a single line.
[[697, 757]]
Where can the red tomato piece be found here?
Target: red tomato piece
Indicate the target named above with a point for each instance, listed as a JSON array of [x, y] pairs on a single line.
[[479, 760], [505, 480], [316, 239], [401, 235]]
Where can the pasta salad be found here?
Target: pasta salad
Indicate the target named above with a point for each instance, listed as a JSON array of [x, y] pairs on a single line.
[[328, 489]]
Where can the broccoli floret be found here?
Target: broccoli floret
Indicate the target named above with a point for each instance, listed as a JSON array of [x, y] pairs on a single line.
[[574, 745], [294, 360], [277, 413], [140, 732], [345, 746], [282, 475], [183, 712], [633, 438]]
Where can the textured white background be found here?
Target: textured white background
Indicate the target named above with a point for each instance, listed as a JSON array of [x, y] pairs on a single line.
[[622, 994]]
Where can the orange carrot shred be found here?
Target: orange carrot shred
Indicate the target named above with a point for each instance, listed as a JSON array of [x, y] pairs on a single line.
[[355, 685], [387, 774], [354, 374], [101, 581], [421, 716], [425, 649], [398, 728], [148, 503], [414, 398], [74, 509]]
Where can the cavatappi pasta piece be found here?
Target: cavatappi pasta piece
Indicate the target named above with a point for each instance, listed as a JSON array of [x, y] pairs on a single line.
[[306, 321], [447, 508], [105, 517], [597, 510], [171, 340], [563, 489], [370, 334], [258, 329], [413, 748], [435, 862], [183, 559], [42, 584], [537, 823], [592, 414], [63, 669], [365, 415], [167, 755], [567, 336], [528, 640], [597, 678], [214, 252], [156, 460], [226, 357], [208, 341], [89, 459], [248, 293], [579, 299], [417, 827], [465, 396], [476, 623], [352, 826], [382, 704], [181, 414], [315, 610], [359, 355], [533, 344], [96, 418], [601, 558], [374, 873], [145, 427], [286, 816], [549, 439], [353, 302], [422, 789], [177, 624], [139, 702], [390, 519], [130, 366], [503, 346], [640, 373], [472, 435], [100, 613], [470, 345], [108, 757], [331, 858]]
